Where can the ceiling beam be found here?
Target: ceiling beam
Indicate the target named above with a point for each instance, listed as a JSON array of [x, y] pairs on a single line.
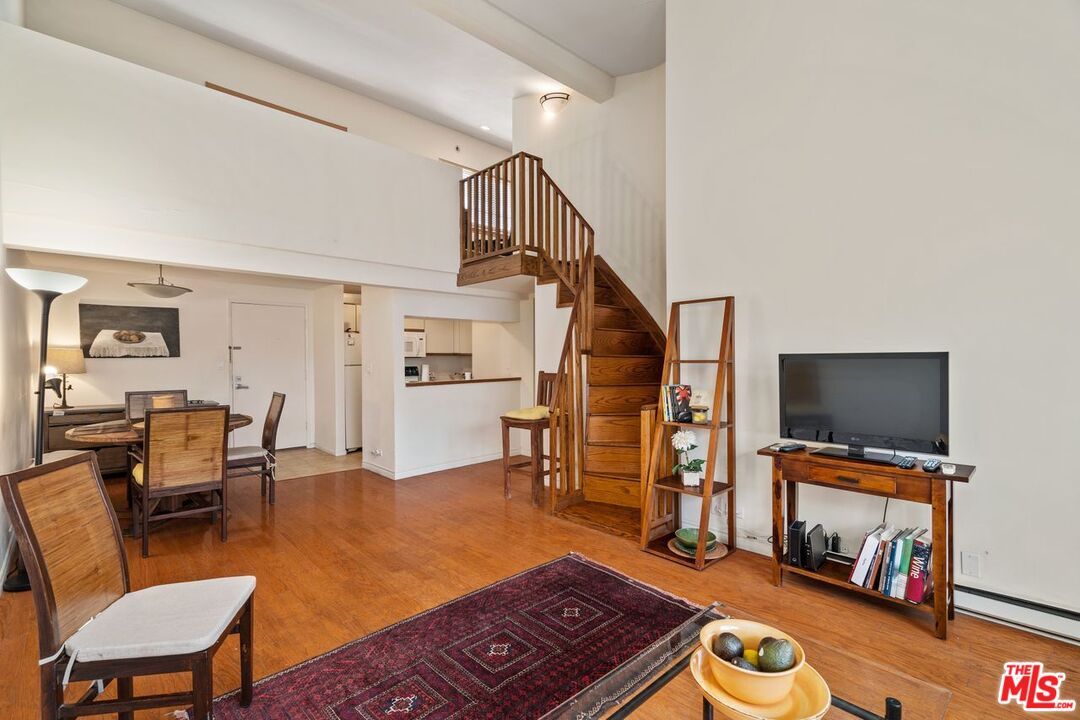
[[503, 32]]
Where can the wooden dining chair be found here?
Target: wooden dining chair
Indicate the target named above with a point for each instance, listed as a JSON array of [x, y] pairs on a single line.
[[535, 420], [183, 454], [91, 626], [137, 402], [260, 460]]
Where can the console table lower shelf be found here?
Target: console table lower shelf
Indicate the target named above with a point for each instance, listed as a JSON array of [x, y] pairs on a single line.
[[803, 467]]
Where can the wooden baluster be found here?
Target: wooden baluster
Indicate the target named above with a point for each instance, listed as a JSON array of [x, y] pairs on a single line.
[[532, 203], [500, 177], [521, 200], [474, 233], [461, 218]]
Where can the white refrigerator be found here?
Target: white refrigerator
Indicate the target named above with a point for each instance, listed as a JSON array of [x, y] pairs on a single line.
[[354, 383]]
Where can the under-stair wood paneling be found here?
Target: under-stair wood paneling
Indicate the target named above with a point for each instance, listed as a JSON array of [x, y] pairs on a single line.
[[614, 429], [605, 296], [625, 370], [615, 318], [622, 460], [624, 399], [621, 342], [612, 490]]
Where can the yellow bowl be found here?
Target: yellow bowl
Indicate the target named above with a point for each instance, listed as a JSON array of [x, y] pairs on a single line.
[[759, 688]]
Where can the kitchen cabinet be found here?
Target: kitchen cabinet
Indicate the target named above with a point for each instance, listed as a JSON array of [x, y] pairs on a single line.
[[413, 323], [463, 337], [441, 336]]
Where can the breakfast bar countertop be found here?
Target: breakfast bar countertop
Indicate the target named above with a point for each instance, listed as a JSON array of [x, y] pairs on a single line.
[[428, 383]]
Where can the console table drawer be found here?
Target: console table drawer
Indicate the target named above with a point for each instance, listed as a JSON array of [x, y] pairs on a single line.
[[868, 482]]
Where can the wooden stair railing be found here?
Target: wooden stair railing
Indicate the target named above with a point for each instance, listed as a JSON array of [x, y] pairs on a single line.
[[515, 220], [514, 208], [567, 408]]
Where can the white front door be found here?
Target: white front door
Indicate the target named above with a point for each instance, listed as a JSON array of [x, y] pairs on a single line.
[[269, 354]]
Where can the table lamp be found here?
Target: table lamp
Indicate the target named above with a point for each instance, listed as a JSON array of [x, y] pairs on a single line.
[[64, 361], [48, 286]]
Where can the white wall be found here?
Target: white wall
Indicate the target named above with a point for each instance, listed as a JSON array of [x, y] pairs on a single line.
[[895, 176], [127, 34], [17, 368], [411, 431], [203, 365], [609, 160], [107, 158], [329, 363]]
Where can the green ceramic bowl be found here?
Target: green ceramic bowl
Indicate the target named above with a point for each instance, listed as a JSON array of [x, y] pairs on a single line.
[[688, 538], [693, 550]]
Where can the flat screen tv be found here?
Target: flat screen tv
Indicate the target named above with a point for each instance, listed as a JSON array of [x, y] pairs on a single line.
[[896, 401]]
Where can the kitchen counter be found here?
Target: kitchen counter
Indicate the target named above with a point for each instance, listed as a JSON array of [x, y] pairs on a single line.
[[460, 382]]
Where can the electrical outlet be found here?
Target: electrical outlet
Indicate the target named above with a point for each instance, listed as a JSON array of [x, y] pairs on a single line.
[[971, 564], [845, 549], [376, 452]]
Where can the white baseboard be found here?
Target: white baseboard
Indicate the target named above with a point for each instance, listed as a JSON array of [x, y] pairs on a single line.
[[413, 472], [378, 469]]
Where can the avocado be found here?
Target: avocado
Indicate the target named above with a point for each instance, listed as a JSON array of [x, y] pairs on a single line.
[[765, 641], [727, 646], [744, 664], [776, 656]]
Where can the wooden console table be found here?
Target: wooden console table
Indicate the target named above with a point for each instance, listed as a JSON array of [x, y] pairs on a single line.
[[915, 485]]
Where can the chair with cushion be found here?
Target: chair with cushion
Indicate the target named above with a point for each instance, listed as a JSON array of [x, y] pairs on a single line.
[[535, 420], [260, 459], [136, 403], [91, 626], [183, 454]]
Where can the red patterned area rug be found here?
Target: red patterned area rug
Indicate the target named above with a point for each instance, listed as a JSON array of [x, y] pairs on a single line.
[[517, 649]]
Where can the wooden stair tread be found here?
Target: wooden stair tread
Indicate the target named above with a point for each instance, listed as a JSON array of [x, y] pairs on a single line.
[[615, 519], [608, 443]]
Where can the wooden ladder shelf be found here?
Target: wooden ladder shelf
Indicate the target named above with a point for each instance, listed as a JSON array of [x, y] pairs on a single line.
[[661, 500]]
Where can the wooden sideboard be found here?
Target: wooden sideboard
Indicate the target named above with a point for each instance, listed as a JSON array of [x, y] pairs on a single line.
[[111, 458], [887, 481]]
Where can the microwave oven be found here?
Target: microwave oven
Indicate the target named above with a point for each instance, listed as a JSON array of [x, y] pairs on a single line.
[[415, 345]]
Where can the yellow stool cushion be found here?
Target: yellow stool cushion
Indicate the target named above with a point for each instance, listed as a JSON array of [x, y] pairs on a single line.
[[536, 412], [136, 473]]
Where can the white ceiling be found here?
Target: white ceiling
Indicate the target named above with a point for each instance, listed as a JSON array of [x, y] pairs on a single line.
[[390, 50], [617, 36], [400, 54]]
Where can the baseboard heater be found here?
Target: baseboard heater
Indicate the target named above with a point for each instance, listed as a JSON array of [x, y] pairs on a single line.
[[1057, 628]]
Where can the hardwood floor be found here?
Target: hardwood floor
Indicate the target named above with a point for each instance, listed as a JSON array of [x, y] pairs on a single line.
[[346, 553]]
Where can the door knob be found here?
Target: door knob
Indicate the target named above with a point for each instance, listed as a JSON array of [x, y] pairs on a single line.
[[238, 386]]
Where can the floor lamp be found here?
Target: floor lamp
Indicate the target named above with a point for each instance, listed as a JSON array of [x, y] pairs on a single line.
[[48, 286]]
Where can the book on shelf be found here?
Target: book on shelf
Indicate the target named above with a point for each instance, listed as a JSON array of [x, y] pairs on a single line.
[[677, 403], [920, 584], [899, 586], [865, 557], [895, 562]]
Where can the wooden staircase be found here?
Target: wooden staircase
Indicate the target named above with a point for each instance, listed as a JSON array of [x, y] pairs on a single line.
[[516, 221]]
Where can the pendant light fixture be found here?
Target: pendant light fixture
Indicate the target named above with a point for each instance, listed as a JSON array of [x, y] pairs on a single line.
[[160, 289]]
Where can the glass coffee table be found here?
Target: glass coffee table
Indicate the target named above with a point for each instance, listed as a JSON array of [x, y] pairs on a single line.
[[860, 688]]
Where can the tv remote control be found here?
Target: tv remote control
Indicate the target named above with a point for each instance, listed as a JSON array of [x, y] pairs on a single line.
[[931, 465], [906, 463]]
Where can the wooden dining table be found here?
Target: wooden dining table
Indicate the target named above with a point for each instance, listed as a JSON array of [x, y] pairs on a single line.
[[125, 432]]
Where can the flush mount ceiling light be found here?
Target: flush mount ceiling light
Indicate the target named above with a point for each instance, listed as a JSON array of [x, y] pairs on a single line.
[[554, 102], [485, 128], [160, 289]]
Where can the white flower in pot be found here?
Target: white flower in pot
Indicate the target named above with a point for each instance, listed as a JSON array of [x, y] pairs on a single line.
[[684, 441]]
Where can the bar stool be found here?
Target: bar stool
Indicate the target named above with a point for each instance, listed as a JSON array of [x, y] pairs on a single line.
[[535, 421]]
